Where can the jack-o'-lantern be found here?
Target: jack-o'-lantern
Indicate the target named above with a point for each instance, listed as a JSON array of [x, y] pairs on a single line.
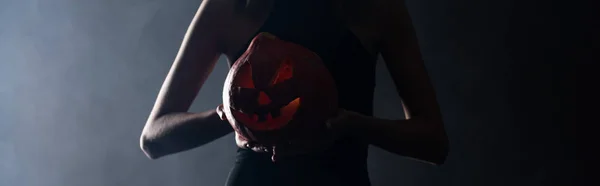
[[277, 91]]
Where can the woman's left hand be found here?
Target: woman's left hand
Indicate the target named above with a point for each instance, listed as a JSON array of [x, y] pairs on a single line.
[[344, 123], [347, 123]]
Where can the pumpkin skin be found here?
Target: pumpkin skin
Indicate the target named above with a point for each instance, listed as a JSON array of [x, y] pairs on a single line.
[[278, 91]]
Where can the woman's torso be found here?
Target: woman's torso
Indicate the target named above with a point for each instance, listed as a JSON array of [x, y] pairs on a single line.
[[348, 48]]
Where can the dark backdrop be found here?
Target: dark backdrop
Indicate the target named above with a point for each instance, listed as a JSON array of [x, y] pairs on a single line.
[[78, 79]]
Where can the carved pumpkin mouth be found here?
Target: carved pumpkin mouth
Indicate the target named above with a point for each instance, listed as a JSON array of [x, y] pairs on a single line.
[[268, 119]]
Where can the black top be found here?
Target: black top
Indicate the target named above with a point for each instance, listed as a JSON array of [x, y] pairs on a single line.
[[312, 24]]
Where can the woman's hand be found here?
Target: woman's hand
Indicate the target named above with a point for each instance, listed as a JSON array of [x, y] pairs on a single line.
[[348, 123], [344, 123], [241, 141]]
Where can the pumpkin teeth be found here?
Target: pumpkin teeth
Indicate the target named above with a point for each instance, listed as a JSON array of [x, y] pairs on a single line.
[[255, 117], [262, 117], [275, 113]]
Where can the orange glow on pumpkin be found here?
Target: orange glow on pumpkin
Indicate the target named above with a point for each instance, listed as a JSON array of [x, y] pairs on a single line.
[[278, 90], [285, 72], [244, 79], [251, 120]]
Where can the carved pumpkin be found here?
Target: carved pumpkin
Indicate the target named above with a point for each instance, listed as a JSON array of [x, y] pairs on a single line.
[[277, 91]]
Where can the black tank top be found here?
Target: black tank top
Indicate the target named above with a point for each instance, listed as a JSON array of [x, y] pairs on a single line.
[[312, 24]]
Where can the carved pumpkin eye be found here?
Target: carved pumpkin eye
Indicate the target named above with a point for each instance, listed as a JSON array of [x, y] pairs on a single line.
[[284, 72], [246, 74], [255, 107], [265, 91]]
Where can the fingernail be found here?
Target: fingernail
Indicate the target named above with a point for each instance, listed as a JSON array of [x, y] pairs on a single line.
[[273, 158]]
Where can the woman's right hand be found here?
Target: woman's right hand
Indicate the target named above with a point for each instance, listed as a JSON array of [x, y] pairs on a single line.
[[244, 143], [283, 150], [240, 140]]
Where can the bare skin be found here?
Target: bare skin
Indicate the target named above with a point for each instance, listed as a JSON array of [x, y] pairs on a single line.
[[222, 27]]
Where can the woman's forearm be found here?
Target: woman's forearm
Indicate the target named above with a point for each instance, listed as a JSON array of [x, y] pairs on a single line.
[[412, 138], [178, 132]]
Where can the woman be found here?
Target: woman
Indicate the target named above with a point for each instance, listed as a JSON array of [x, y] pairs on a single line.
[[348, 35]]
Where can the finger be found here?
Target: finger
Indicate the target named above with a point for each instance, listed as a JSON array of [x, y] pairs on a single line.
[[332, 121], [258, 148], [333, 124], [221, 113], [252, 146], [243, 143]]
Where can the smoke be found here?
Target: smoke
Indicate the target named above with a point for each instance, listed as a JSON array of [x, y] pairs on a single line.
[[78, 80]]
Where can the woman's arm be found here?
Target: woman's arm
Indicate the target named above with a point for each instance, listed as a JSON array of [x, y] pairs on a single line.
[[170, 127], [422, 135]]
